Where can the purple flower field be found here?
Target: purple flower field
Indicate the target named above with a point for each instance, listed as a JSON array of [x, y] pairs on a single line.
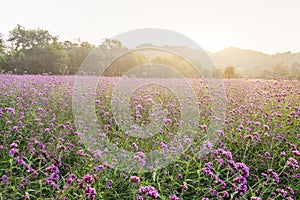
[[256, 153]]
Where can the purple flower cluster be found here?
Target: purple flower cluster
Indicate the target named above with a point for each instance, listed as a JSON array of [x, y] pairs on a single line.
[[90, 192], [13, 149], [69, 181], [292, 162], [257, 147], [85, 183], [149, 191], [174, 197], [134, 179], [53, 176]]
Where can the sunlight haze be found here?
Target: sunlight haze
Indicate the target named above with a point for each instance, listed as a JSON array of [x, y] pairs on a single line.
[[267, 26]]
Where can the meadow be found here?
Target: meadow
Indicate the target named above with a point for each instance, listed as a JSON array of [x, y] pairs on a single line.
[[255, 154]]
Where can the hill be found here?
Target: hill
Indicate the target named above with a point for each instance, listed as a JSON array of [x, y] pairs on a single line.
[[251, 61]]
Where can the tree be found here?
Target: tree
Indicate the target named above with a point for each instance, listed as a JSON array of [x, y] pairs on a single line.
[[264, 73], [179, 64], [2, 52], [112, 48], [22, 39], [2, 44], [37, 60], [217, 73], [295, 70], [109, 45], [35, 51], [125, 63], [280, 69], [229, 72], [76, 54]]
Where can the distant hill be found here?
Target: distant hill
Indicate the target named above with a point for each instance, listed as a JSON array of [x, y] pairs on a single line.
[[244, 61], [248, 60]]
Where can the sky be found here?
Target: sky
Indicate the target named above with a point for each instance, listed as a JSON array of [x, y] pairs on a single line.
[[270, 26]]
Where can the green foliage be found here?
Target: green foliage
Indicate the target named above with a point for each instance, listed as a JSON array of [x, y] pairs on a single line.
[[36, 51], [254, 134], [22, 39], [37, 60], [76, 54], [295, 70], [2, 45], [229, 72], [126, 62], [2, 52], [280, 69], [181, 65]]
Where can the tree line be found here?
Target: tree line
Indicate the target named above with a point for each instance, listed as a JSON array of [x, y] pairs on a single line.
[[276, 71], [36, 51]]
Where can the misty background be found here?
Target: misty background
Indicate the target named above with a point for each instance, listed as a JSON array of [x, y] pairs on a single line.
[[37, 51]]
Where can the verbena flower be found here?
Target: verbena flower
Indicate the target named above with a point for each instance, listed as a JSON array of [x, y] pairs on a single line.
[[13, 151], [174, 197], [135, 147], [134, 179], [149, 191], [90, 192]]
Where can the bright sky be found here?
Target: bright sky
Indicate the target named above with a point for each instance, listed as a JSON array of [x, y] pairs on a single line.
[[265, 25]]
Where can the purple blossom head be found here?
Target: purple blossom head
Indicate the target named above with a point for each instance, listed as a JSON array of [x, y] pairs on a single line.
[[296, 152], [243, 168], [297, 176], [26, 196], [174, 197], [13, 151], [80, 152], [214, 192], [4, 178], [10, 110], [149, 191], [88, 179], [266, 127], [134, 179], [208, 144], [99, 168], [267, 154], [139, 107], [90, 192], [180, 176], [225, 194], [168, 121], [13, 145], [139, 197], [110, 182], [292, 162], [282, 192], [290, 190], [203, 127], [135, 147]]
